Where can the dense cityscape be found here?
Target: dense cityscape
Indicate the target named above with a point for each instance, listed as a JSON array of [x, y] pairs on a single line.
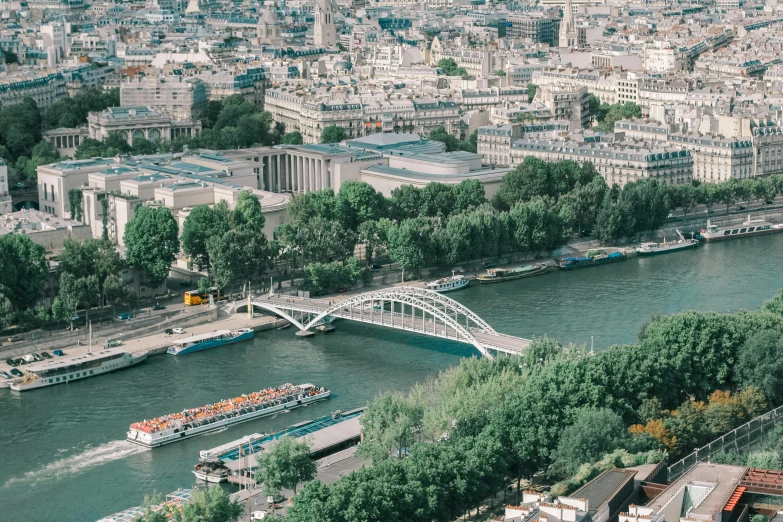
[[193, 194]]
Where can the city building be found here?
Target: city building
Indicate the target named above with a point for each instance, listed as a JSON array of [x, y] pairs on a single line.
[[179, 96], [138, 122]]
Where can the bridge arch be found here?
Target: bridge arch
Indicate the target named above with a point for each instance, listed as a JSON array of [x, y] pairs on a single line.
[[454, 319]]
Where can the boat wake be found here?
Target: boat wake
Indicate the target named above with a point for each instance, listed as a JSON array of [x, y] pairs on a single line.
[[89, 458]]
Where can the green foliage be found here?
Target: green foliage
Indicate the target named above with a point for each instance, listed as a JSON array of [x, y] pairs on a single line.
[[452, 143], [608, 115], [450, 67], [760, 363], [593, 433], [71, 112], [20, 129], [203, 285], [285, 465], [202, 223], [532, 88], [320, 277], [23, 271], [75, 199], [361, 203], [209, 505], [293, 138], [152, 240], [333, 134], [637, 207]]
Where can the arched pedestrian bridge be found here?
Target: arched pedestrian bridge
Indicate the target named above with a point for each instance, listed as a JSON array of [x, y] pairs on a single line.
[[404, 308]]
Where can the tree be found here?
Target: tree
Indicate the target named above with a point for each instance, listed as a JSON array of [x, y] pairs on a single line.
[[389, 425], [62, 310], [248, 212], [450, 67], [209, 505], [760, 363], [373, 235], [293, 138], [500, 72], [361, 203], [333, 134], [202, 223], [105, 218], [410, 243], [468, 195], [532, 88], [594, 105], [23, 270], [405, 202], [285, 465], [7, 313], [114, 291], [593, 433], [440, 134], [616, 112], [152, 240]]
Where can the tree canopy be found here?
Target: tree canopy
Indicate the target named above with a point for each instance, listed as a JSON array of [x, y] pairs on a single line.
[[152, 239]]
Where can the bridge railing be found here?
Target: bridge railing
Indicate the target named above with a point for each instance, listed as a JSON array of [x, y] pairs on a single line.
[[739, 439]]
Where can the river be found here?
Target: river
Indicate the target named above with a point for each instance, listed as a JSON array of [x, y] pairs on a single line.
[[62, 453]]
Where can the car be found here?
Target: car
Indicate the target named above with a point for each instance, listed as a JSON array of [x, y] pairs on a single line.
[[178, 330], [46, 355], [125, 317], [342, 290], [168, 331], [16, 372], [20, 185], [37, 357], [489, 264], [377, 267], [158, 306], [769, 202], [75, 317], [275, 499], [671, 216], [29, 358], [11, 362], [740, 207], [113, 343], [184, 284], [6, 375], [15, 338], [21, 362], [59, 353]]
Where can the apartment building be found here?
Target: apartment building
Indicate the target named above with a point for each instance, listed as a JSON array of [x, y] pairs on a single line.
[[178, 96]]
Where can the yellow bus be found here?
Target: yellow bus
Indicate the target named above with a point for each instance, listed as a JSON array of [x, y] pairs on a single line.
[[194, 297]]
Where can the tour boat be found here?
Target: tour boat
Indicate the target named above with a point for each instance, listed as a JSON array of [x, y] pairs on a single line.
[[197, 421], [750, 227], [206, 341], [448, 284], [62, 370], [497, 275], [651, 249], [572, 263]]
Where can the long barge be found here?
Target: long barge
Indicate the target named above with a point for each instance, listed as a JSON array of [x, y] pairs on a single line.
[[198, 421]]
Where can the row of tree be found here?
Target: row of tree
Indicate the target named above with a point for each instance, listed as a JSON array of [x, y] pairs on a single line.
[[443, 448]]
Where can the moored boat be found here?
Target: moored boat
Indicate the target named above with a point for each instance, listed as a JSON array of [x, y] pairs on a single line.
[[651, 249], [592, 259], [448, 284], [498, 275], [209, 340], [750, 227], [62, 370], [212, 471], [211, 417]]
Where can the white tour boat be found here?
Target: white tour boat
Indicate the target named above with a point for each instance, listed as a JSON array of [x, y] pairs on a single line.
[[448, 284], [750, 227], [67, 369], [197, 421]]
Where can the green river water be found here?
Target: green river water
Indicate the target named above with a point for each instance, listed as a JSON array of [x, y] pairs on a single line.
[[62, 450]]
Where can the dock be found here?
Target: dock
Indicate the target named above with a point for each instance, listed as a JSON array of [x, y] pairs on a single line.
[[325, 436]]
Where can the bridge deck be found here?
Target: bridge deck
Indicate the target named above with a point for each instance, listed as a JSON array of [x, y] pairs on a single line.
[[490, 340]]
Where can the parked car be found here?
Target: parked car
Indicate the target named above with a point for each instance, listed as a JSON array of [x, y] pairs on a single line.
[[376, 268], [5, 375], [740, 207], [15, 338], [125, 317], [59, 353], [11, 362], [671, 216], [158, 306], [20, 362], [178, 330], [16, 373], [489, 264], [29, 358], [168, 331], [75, 317], [46, 355], [769, 202], [37, 357], [113, 343]]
